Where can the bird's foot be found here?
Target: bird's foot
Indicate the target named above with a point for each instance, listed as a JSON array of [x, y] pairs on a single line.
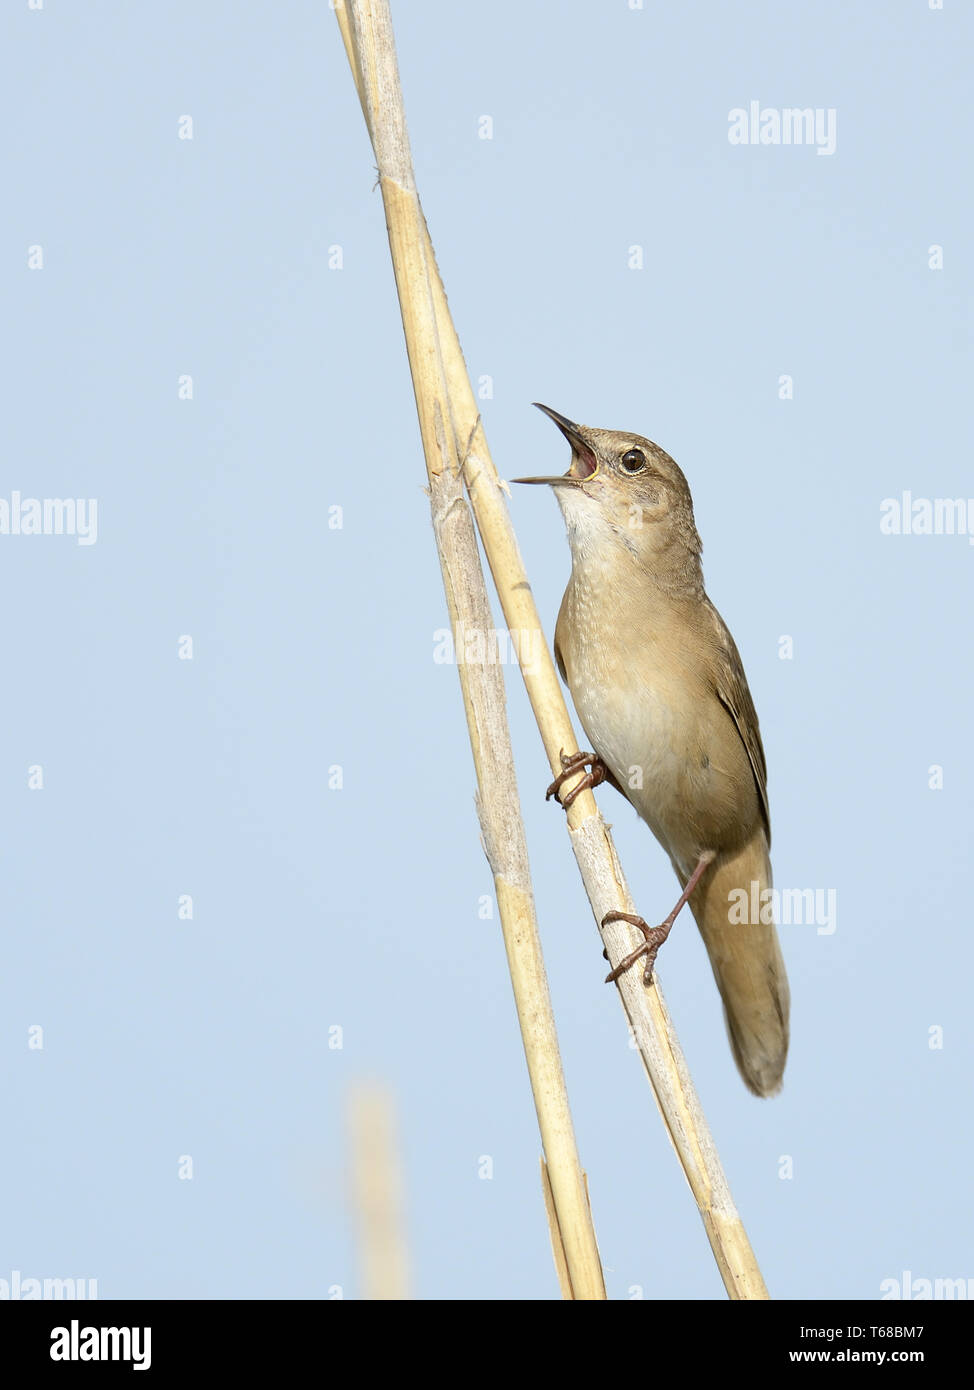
[[570, 764], [655, 936]]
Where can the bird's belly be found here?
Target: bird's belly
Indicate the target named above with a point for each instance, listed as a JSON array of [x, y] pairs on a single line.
[[676, 755], [640, 743]]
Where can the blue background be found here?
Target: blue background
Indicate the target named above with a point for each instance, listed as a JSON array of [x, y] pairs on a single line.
[[313, 647]]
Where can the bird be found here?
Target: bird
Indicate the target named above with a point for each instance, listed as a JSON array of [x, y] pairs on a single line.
[[660, 690]]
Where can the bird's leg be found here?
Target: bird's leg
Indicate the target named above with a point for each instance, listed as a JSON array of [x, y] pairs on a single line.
[[570, 764], [655, 936]]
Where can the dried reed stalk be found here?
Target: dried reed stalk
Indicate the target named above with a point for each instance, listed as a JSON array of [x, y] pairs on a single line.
[[449, 418], [376, 1172]]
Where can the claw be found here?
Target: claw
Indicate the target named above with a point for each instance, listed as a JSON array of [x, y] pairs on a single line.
[[655, 936], [570, 764]]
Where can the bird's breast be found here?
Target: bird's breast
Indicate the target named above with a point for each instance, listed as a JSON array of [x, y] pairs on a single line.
[[641, 691]]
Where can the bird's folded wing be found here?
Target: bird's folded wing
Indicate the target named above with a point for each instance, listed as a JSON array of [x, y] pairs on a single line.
[[732, 691]]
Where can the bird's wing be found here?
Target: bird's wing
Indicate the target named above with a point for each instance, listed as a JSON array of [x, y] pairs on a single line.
[[733, 693]]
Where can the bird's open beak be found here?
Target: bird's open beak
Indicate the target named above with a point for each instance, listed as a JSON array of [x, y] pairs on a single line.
[[584, 464]]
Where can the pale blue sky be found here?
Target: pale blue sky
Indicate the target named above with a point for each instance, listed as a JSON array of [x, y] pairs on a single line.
[[314, 647]]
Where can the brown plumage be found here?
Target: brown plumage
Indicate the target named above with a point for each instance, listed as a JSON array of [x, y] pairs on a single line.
[[661, 693]]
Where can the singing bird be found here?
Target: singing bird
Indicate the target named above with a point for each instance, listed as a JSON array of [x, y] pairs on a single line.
[[661, 694]]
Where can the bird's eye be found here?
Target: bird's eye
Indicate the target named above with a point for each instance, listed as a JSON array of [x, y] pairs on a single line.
[[634, 460]]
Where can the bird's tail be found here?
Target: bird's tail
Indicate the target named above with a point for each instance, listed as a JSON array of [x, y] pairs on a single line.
[[735, 919]]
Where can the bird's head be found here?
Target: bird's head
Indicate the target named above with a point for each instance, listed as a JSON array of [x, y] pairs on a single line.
[[625, 490]]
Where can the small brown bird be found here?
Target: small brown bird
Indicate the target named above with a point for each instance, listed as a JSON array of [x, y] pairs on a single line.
[[661, 693]]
